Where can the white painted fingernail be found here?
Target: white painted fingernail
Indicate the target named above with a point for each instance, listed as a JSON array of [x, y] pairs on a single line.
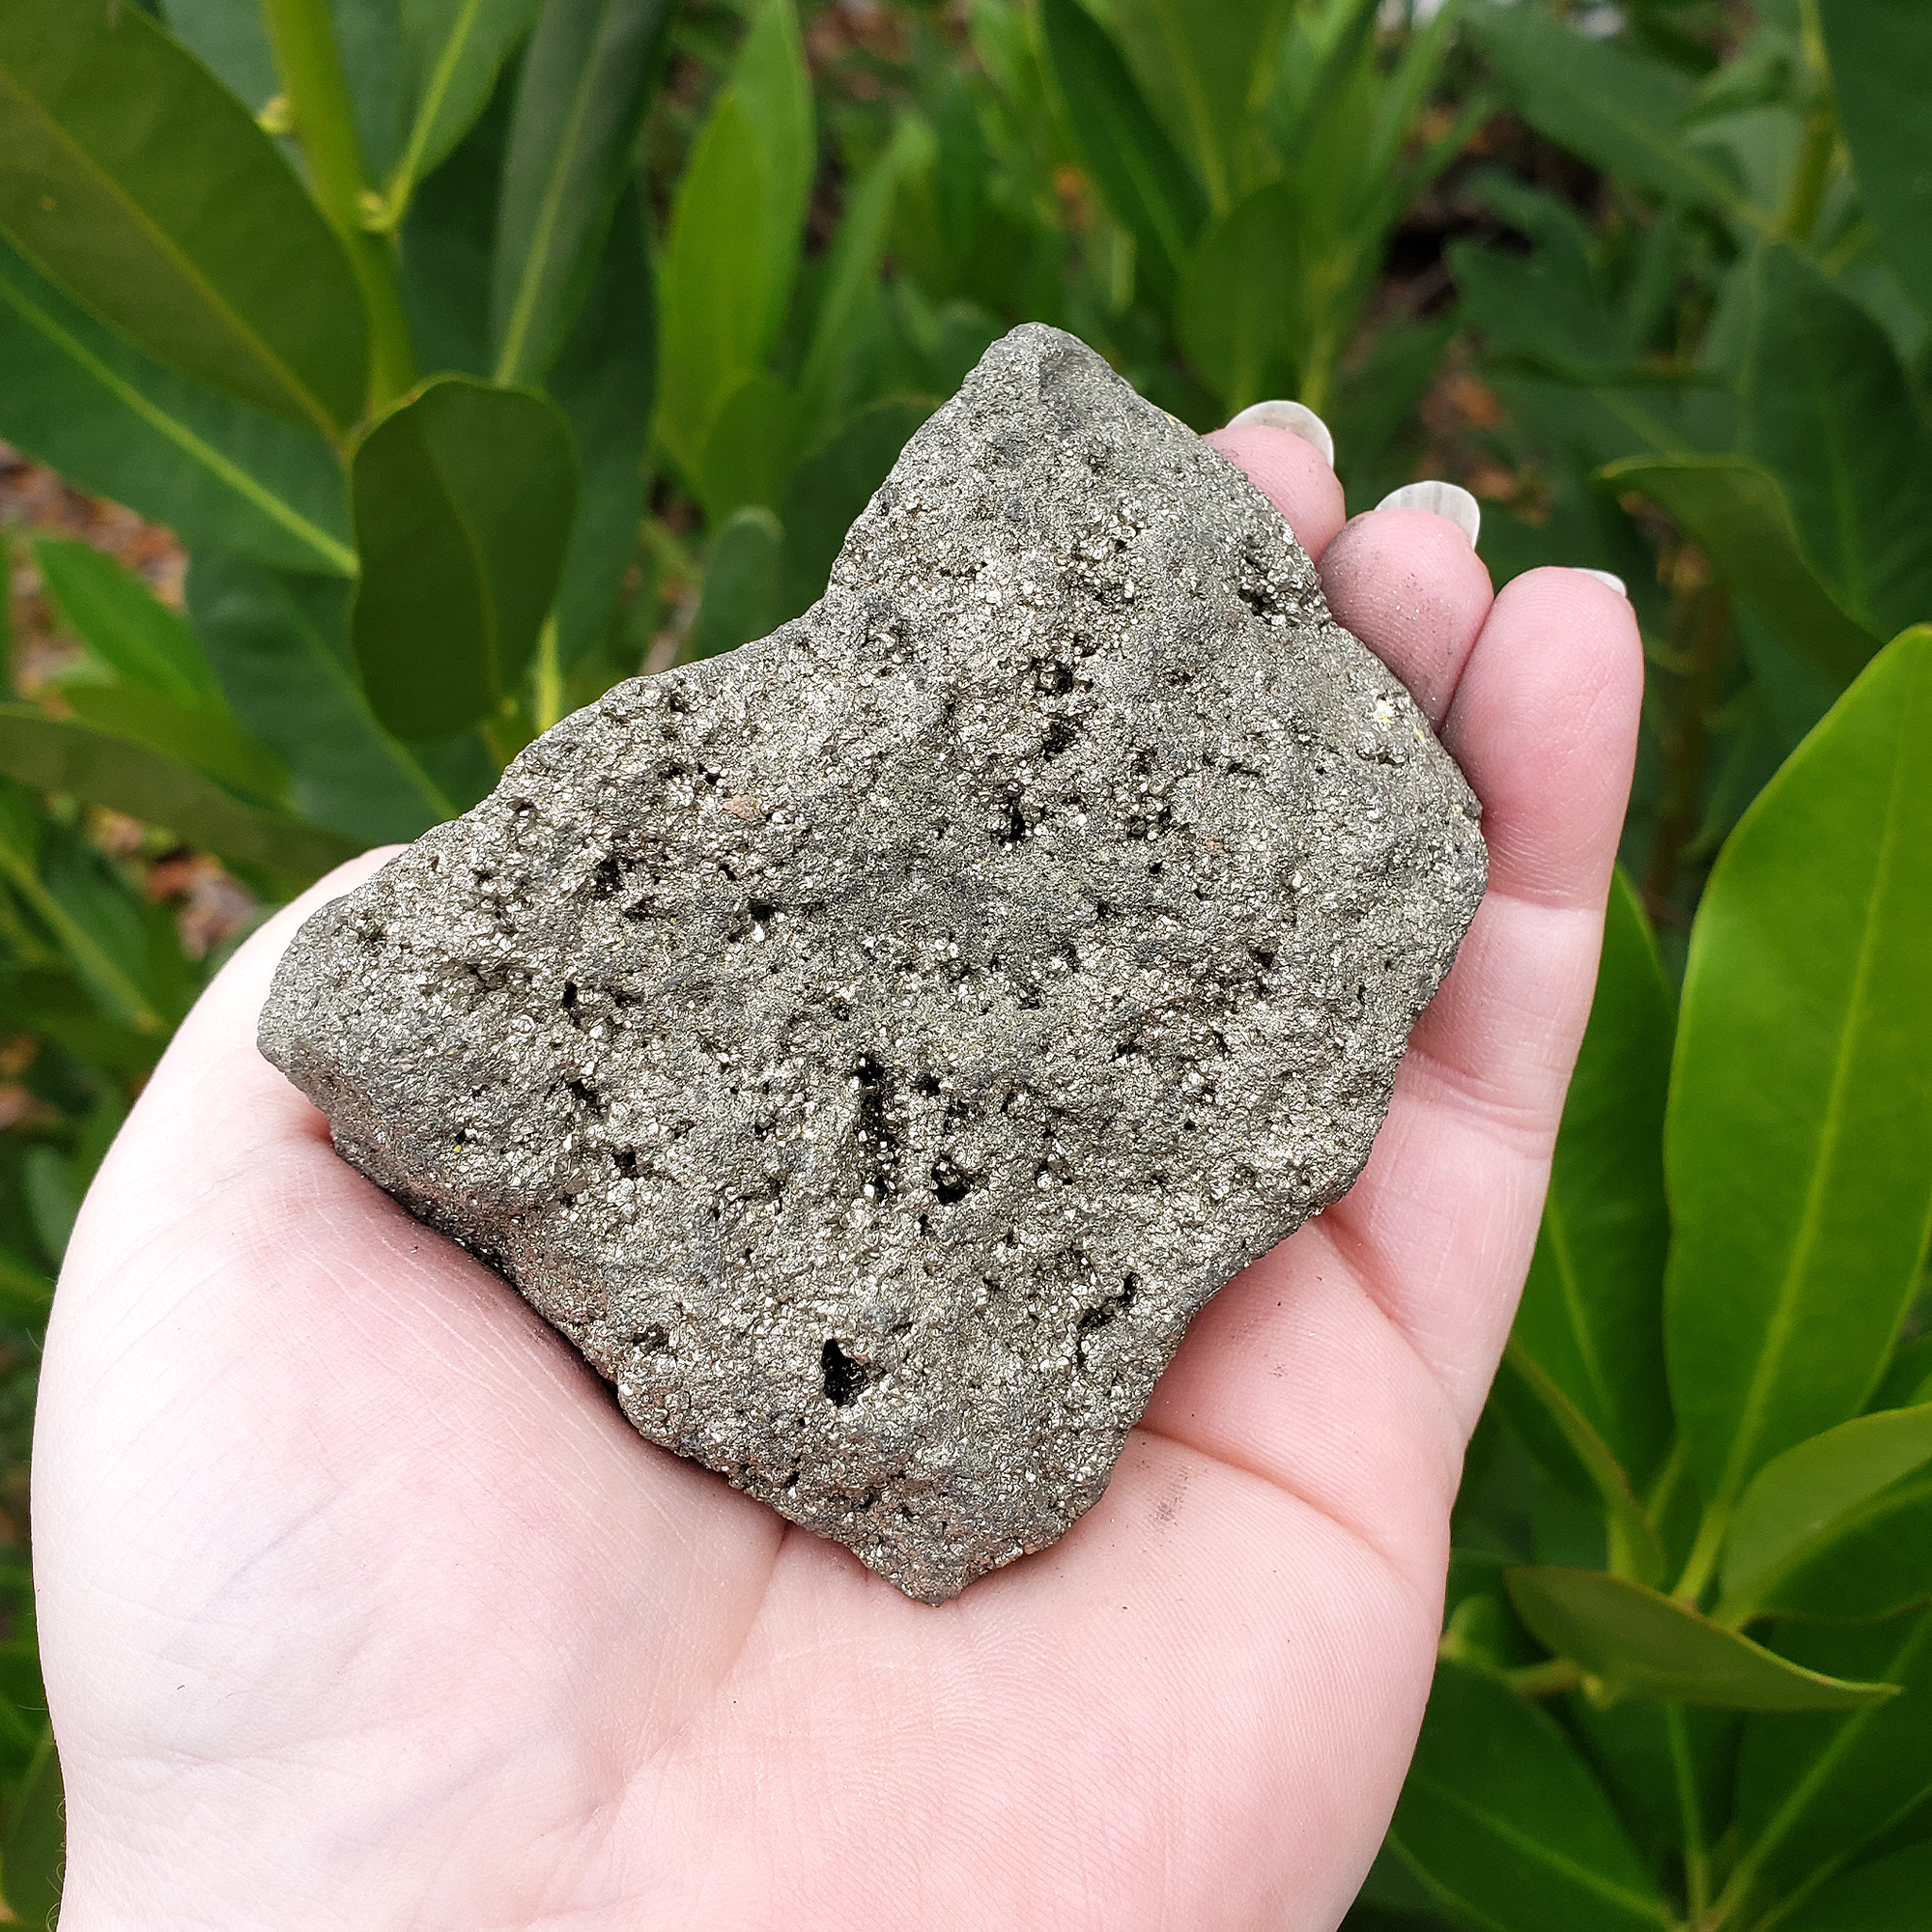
[[1608, 576], [1298, 419], [1445, 500]]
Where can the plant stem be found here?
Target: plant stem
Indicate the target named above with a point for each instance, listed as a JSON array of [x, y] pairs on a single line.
[[1690, 1812], [550, 698], [1545, 1680], [310, 65], [1703, 1557], [1813, 171]]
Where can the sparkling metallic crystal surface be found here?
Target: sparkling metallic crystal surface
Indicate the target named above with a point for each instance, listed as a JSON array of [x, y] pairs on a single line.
[[874, 1046]]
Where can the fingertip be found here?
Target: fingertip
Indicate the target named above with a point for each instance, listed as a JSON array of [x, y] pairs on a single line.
[[1545, 724], [1406, 583], [1290, 472]]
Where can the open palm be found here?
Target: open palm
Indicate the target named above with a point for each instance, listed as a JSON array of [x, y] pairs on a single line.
[[362, 1606]]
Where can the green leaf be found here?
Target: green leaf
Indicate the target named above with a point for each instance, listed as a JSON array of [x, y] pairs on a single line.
[[736, 229], [280, 647], [1799, 1141], [716, 293], [35, 1855], [74, 395], [1738, 515], [830, 489], [1637, 1642], [143, 186], [1592, 1309], [208, 739], [458, 47], [1840, 1525], [106, 768], [86, 916], [1505, 1825], [1888, 1895], [123, 623], [1153, 193], [748, 448], [1825, 406], [579, 104], [1200, 67], [741, 585], [1239, 297], [229, 39], [462, 499], [824, 389], [605, 383], [25, 1293], [1529, 1390], [1881, 51], [1616, 109], [1811, 1790]]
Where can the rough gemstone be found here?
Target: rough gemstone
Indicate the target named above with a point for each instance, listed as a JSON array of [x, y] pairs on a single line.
[[871, 1048]]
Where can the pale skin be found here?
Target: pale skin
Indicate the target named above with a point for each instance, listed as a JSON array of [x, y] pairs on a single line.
[[362, 1606]]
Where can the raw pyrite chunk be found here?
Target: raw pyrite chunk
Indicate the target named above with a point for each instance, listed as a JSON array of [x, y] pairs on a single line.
[[871, 1047]]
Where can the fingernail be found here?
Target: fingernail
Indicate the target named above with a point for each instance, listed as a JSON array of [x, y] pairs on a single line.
[[1298, 419], [1608, 576], [1445, 500]]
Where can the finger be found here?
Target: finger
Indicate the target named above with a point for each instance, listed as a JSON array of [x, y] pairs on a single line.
[[1292, 474], [1350, 1364], [1410, 587], [1544, 723]]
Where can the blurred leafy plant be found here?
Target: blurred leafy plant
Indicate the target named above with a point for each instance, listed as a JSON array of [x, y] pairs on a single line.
[[532, 342]]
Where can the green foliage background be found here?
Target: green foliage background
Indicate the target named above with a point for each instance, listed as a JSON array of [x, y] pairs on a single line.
[[529, 343]]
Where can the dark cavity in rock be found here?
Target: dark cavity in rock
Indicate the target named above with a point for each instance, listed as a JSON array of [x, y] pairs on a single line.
[[872, 1047]]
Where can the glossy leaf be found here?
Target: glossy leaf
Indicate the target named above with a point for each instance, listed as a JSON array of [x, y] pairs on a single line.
[[457, 48], [831, 487], [1616, 109], [1799, 1140], [104, 768], [741, 585], [1636, 1641], [1152, 191], [1737, 513], [142, 186], [1825, 406], [76, 394], [585, 79], [1198, 67], [34, 1857], [280, 647], [1888, 1895], [736, 230], [1811, 1790], [1532, 1396], [1840, 1525], [1592, 1309], [1881, 51], [1239, 297], [605, 383], [1505, 1824], [123, 623], [229, 38], [463, 499]]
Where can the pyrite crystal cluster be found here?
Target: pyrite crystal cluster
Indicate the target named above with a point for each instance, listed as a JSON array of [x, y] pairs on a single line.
[[871, 1048]]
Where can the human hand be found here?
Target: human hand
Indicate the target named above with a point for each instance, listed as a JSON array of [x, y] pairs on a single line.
[[361, 1605]]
